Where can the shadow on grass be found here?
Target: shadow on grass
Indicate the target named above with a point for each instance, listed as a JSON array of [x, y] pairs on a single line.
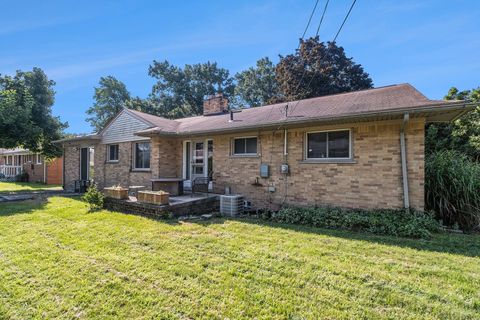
[[22, 207], [461, 244]]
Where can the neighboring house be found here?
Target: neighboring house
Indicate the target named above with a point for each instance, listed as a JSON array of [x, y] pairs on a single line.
[[16, 161], [359, 149]]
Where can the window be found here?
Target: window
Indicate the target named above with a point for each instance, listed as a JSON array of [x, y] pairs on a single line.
[[328, 145], [38, 158], [112, 153], [245, 146], [142, 155]]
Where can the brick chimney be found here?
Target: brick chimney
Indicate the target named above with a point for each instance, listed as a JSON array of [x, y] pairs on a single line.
[[215, 104]]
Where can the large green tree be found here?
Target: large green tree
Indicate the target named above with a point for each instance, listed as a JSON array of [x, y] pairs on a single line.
[[258, 85], [110, 97], [26, 118], [318, 69], [179, 92], [463, 135]]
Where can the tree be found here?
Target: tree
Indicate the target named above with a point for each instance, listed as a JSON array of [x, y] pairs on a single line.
[[180, 92], [257, 86], [318, 69], [26, 118], [463, 135], [110, 97]]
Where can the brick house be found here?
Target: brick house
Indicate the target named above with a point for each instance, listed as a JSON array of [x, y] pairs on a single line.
[[360, 149], [18, 160]]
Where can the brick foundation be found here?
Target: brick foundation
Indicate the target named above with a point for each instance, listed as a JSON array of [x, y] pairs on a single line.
[[196, 207]]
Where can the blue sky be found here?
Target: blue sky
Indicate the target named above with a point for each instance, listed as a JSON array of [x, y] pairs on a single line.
[[431, 44]]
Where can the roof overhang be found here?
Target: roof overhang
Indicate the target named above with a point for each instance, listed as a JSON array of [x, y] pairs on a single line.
[[446, 112], [91, 137], [15, 152]]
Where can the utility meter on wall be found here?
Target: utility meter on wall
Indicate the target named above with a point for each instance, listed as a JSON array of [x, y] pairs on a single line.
[[284, 168]]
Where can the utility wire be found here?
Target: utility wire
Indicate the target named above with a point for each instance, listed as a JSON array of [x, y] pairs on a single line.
[[334, 39], [344, 20], [304, 70], [310, 19], [321, 19], [303, 36]]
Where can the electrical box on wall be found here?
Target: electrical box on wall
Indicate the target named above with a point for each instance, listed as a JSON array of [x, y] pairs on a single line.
[[284, 168], [264, 170]]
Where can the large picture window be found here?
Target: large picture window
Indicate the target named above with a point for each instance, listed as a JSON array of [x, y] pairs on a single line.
[[113, 153], [328, 145], [142, 155], [245, 146]]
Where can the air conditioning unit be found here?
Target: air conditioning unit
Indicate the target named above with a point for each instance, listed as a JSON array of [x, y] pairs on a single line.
[[231, 205]]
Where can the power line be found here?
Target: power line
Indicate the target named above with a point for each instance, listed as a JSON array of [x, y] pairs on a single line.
[[321, 19], [344, 20], [310, 19], [316, 34], [334, 39], [303, 36]]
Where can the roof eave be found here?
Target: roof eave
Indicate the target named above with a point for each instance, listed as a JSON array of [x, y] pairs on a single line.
[[78, 139]]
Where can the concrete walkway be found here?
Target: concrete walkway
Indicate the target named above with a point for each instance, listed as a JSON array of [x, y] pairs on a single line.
[[29, 195]]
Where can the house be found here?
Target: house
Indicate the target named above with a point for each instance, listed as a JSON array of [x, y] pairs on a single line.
[[360, 149], [16, 161]]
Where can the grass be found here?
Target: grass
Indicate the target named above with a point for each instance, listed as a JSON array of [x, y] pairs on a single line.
[[6, 187], [58, 261]]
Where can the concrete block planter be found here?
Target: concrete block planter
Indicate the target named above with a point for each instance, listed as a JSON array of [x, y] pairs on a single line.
[[155, 197], [116, 192]]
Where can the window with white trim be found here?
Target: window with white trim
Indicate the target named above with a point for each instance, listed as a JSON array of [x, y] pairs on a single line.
[[112, 153], [245, 146], [142, 155], [328, 145]]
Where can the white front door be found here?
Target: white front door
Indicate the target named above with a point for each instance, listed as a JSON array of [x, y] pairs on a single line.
[[197, 160]]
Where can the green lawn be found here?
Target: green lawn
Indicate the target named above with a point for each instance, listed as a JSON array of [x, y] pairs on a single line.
[[58, 261], [24, 186]]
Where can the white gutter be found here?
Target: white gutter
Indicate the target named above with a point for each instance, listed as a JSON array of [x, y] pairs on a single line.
[[403, 154], [285, 148], [44, 171]]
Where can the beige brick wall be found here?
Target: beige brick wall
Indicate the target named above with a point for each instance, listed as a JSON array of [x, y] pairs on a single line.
[[113, 173], [72, 166], [373, 181]]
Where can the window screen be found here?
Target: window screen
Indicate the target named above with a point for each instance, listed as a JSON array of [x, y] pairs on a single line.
[[245, 146], [142, 155], [113, 152], [328, 145]]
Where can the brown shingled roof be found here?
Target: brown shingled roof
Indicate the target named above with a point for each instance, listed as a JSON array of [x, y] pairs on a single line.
[[384, 100]]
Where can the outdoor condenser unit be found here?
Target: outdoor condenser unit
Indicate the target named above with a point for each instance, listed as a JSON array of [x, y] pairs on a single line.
[[231, 205]]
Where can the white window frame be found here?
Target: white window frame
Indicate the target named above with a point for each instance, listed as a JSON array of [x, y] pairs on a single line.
[[134, 153], [38, 159], [232, 146], [108, 153], [350, 146]]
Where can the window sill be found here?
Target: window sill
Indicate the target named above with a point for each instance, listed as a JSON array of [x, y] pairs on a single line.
[[112, 161], [240, 156], [140, 170], [317, 161]]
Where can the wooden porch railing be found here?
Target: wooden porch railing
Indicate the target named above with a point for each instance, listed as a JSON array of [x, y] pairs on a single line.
[[10, 171]]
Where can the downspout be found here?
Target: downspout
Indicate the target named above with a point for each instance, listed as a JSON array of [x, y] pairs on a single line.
[[63, 167], [403, 154], [44, 171], [285, 147]]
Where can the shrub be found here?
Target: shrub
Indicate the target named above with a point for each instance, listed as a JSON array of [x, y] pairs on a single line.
[[22, 177], [403, 223], [94, 198], [452, 189]]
